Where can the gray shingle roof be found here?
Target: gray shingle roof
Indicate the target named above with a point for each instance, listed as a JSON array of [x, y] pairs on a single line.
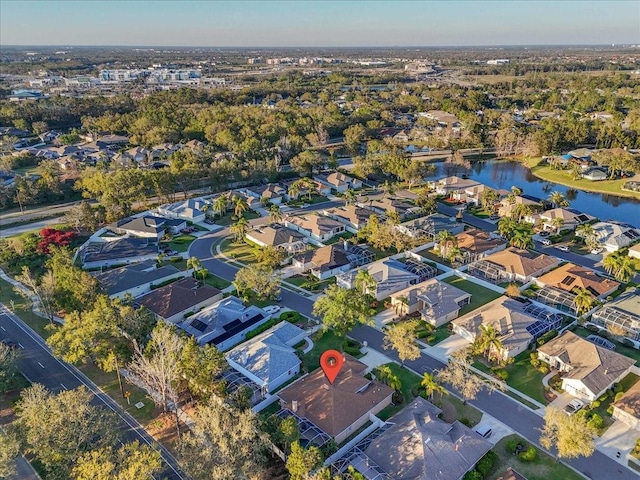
[[130, 276], [119, 250]]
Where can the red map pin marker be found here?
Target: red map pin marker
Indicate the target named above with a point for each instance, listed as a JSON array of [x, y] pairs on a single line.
[[331, 362]]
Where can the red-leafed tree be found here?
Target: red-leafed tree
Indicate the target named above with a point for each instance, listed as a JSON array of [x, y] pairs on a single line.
[[51, 236]]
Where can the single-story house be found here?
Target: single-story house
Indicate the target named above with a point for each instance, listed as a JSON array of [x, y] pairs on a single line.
[[430, 226], [388, 274], [316, 227], [627, 408], [339, 181], [135, 279], [326, 262], [418, 445], [613, 236], [570, 218], [271, 192], [225, 323], [444, 119], [351, 216], [570, 277], [191, 210], [339, 408], [508, 204], [447, 185], [595, 174], [269, 359], [137, 154], [383, 206], [634, 251], [622, 312], [476, 244], [438, 302], [148, 226], [172, 302], [588, 369], [516, 323], [278, 236], [117, 252], [513, 264]]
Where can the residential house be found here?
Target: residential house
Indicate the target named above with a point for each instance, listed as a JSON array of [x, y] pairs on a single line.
[[148, 226], [117, 252], [623, 313], [430, 226], [473, 195], [195, 145], [339, 408], [352, 216], [112, 139], [613, 235], [508, 204], [224, 323], [278, 236], [513, 264], [136, 279], [418, 445], [192, 210], [476, 244], [326, 262], [627, 408], [595, 174], [570, 277], [339, 181], [269, 359], [271, 192], [385, 205], [305, 189], [389, 275], [178, 299], [447, 185], [444, 119], [518, 324], [316, 227], [634, 251], [438, 302], [587, 369], [570, 219], [138, 154]]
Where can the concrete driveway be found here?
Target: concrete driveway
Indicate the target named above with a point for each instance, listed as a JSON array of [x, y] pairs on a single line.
[[445, 348], [498, 429], [619, 437], [562, 401]]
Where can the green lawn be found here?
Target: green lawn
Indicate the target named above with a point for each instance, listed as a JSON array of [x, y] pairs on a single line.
[[242, 252], [441, 333], [305, 200], [22, 308], [322, 341], [479, 294], [230, 217], [626, 383], [216, 282], [526, 379], [181, 243], [545, 467], [340, 238], [309, 282]]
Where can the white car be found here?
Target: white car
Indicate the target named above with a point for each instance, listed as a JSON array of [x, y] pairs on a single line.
[[596, 251], [546, 242], [573, 406], [271, 309], [563, 248]]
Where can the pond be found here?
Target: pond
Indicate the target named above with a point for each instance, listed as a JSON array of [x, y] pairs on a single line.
[[506, 174]]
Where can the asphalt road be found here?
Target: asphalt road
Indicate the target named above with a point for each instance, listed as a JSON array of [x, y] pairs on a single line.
[[39, 365]]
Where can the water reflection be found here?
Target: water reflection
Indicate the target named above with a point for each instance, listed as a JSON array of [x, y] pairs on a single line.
[[501, 174]]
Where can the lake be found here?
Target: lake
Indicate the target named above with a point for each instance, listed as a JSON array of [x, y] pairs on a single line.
[[506, 174]]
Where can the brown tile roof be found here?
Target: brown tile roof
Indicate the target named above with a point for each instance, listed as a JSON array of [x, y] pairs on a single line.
[[477, 241], [325, 258], [335, 407], [570, 276], [316, 224], [177, 297], [351, 213], [630, 401], [522, 262], [596, 367]]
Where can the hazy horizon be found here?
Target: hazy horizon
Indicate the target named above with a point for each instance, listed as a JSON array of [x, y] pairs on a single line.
[[319, 24]]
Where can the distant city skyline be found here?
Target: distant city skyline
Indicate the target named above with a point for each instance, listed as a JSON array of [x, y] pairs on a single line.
[[306, 23]]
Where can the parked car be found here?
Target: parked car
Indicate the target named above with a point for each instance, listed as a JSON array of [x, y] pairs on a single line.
[[494, 217], [278, 298], [10, 343], [596, 251], [271, 309], [543, 233], [573, 406], [546, 242], [563, 248], [484, 431]]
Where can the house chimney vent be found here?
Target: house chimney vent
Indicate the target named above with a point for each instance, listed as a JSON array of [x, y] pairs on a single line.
[[294, 406]]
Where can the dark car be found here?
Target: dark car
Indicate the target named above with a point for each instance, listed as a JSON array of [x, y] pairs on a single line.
[[9, 343]]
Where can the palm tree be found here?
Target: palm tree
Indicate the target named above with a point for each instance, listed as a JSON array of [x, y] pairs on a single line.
[[349, 197], [620, 266], [558, 199], [522, 239], [311, 187], [488, 198], [582, 301], [520, 210], [239, 229], [489, 341], [240, 206], [431, 385], [453, 253], [557, 223], [506, 227], [220, 205], [365, 281], [446, 240], [275, 215], [590, 236], [193, 263], [294, 189]]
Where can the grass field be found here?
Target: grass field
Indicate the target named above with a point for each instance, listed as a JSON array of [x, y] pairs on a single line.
[[526, 379], [479, 294], [228, 218], [242, 252], [216, 282], [181, 243], [22, 308]]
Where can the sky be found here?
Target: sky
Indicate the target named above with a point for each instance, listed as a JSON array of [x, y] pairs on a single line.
[[310, 23]]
